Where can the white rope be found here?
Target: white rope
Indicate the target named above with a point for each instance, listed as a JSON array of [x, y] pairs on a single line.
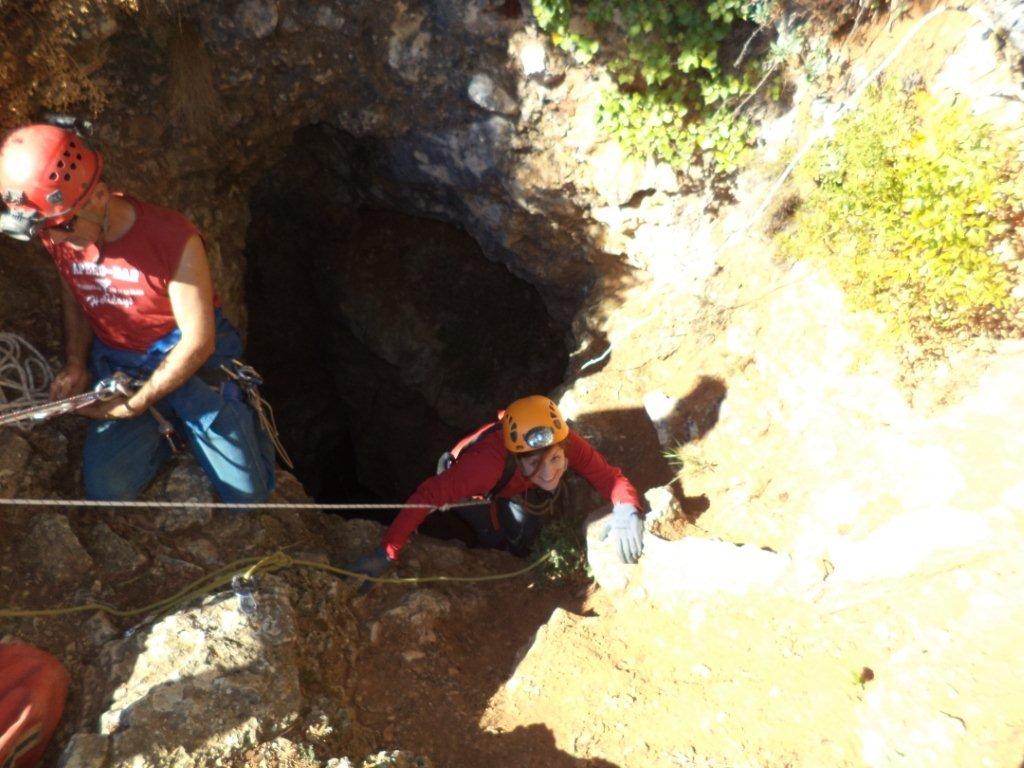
[[221, 504], [25, 375]]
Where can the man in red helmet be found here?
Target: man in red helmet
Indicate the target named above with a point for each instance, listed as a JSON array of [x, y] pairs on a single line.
[[137, 297]]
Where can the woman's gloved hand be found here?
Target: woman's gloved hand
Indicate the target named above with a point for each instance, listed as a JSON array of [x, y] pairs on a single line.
[[375, 564], [628, 528]]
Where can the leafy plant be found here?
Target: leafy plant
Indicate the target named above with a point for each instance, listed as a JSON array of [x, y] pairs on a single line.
[[676, 91], [910, 205], [561, 536]]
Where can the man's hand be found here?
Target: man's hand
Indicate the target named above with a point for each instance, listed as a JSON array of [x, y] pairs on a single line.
[[72, 379], [109, 409], [629, 532]]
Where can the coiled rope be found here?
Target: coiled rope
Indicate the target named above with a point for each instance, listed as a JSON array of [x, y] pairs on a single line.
[[25, 375], [247, 568]]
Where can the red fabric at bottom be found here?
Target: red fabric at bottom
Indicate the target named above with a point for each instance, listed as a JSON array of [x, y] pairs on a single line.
[[33, 688]]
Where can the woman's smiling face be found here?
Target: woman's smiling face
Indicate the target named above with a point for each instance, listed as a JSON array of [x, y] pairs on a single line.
[[545, 468]]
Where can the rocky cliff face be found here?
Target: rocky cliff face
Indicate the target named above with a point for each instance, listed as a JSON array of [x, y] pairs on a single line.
[[835, 552], [272, 124]]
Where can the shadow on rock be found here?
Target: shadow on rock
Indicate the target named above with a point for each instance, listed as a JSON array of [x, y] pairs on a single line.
[[690, 417], [628, 439], [436, 657]]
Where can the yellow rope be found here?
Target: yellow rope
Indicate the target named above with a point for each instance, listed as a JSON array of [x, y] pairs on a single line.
[[247, 568]]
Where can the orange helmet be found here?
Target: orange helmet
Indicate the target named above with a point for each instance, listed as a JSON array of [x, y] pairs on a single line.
[[47, 172], [531, 423]]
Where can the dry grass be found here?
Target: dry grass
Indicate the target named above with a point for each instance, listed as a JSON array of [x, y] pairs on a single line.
[[192, 98], [51, 51], [43, 61]]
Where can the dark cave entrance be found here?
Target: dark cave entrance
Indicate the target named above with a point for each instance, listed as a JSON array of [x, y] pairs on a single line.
[[383, 336]]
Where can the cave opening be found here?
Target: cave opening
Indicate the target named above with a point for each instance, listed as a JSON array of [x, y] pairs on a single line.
[[384, 336]]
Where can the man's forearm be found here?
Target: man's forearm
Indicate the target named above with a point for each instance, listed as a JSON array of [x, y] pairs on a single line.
[[180, 364]]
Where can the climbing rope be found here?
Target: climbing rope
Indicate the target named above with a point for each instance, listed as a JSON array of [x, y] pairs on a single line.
[[246, 569], [87, 503], [25, 375]]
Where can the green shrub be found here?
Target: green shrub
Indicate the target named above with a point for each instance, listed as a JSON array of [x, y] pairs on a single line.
[[910, 206], [562, 537], [675, 98]]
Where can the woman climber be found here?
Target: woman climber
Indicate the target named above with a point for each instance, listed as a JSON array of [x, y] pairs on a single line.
[[512, 461]]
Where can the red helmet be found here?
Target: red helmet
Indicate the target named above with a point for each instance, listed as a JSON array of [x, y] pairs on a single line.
[[46, 174]]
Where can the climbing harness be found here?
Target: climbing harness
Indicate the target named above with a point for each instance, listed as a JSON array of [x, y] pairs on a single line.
[[117, 385], [239, 577], [25, 375], [543, 502], [448, 457], [249, 381]]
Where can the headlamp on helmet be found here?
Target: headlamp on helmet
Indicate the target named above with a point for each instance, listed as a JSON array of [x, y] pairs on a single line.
[[20, 224], [47, 173], [539, 437], [532, 423]]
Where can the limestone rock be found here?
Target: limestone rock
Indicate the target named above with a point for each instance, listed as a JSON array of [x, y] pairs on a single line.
[[420, 612], [52, 550], [14, 455], [100, 629], [49, 464], [531, 52], [85, 750], [257, 18], [184, 482], [485, 93], [1011, 23], [202, 685], [113, 553], [666, 517], [673, 571], [408, 48]]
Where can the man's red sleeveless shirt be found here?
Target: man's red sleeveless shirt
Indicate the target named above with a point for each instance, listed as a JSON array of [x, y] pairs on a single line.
[[122, 285]]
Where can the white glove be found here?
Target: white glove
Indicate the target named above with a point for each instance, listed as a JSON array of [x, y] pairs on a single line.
[[629, 532]]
